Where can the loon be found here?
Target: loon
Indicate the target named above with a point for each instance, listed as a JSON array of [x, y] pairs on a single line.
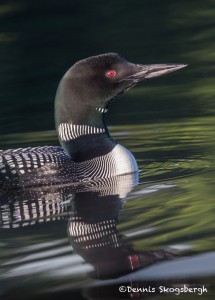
[[87, 151]]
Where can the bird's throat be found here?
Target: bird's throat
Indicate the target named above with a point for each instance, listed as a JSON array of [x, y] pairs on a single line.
[[84, 142]]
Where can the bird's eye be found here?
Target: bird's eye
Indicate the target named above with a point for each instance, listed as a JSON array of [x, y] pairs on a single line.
[[111, 73]]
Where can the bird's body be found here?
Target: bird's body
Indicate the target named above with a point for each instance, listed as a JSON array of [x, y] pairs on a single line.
[[87, 151], [31, 166], [26, 167]]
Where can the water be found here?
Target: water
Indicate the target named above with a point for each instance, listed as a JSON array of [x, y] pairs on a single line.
[[161, 229], [168, 216]]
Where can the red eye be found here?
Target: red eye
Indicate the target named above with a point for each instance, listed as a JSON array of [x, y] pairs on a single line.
[[111, 73]]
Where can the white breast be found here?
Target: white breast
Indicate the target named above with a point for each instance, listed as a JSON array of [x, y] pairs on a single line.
[[119, 161], [124, 160]]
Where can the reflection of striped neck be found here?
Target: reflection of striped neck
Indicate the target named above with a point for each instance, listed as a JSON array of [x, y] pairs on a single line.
[[69, 132]]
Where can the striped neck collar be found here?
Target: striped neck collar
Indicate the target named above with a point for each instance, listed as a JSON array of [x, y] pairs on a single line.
[[68, 132]]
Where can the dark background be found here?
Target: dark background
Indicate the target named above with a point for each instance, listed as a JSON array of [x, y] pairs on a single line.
[[40, 40]]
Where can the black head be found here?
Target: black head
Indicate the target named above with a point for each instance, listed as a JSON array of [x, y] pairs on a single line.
[[91, 83]]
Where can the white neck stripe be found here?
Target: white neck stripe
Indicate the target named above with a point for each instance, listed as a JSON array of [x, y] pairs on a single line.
[[102, 110], [71, 131]]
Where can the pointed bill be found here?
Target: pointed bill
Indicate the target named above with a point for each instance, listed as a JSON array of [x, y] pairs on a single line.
[[155, 70]]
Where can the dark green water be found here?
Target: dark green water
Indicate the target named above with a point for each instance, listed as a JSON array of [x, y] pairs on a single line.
[[168, 124]]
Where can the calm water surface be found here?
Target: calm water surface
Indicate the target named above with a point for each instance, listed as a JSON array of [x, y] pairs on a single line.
[[167, 220]]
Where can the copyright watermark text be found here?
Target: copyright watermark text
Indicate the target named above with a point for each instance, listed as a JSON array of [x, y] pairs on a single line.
[[164, 289]]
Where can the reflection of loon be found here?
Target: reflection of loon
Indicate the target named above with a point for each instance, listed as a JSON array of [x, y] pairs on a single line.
[[92, 230], [92, 213], [82, 99], [23, 207]]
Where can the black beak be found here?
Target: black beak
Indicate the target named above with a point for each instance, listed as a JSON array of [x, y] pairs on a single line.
[[141, 72]]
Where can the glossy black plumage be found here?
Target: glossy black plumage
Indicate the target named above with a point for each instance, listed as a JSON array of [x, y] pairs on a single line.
[[87, 151]]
